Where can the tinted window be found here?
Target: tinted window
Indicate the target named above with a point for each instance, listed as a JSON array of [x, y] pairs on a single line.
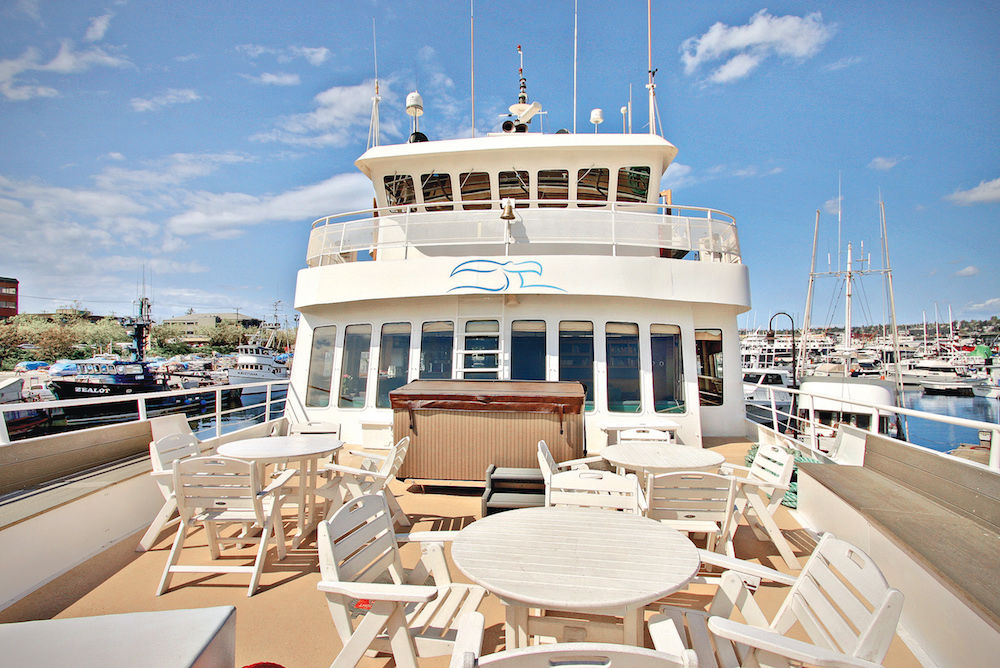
[[321, 367], [622, 347], [633, 184], [515, 185], [399, 190], [592, 184], [527, 350], [393, 361], [475, 186], [576, 356], [553, 184], [436, 188], [354, 376], [436, 342]]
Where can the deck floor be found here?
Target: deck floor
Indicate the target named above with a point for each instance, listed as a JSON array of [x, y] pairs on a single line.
[[287, 621]]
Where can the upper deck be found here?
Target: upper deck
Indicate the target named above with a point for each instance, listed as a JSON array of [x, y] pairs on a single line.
[[521, 194]]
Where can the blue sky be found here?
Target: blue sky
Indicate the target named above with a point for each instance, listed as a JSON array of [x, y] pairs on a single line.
[[195, 142]]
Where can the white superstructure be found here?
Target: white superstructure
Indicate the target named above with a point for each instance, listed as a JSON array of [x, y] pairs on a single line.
[[528, 256]]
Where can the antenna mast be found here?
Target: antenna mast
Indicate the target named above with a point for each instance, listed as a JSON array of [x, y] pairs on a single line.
[[373, 127], [472, 61], [649, 49], [575, 3]]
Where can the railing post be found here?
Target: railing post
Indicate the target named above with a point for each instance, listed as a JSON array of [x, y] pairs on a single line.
[[218, 413], [614, 230], [141, 405], [4, 436], [343, 233], [406, 233], [995, 450], [267, 403], [813, 437], [774, 408]]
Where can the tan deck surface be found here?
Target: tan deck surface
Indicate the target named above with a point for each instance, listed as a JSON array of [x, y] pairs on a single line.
[[287, 621]]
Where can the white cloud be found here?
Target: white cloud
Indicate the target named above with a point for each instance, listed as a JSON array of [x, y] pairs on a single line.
[[967, 271], [276, 79], [168, 98], [67, 61], [341, 113], [170, 172], [98, 28], [30, 8], [744, 48], [312, 55], [677, 176], [833, 205], [226, 215], [987, 192], [115, 155], [988, 305], [844, 63], [883, 163]]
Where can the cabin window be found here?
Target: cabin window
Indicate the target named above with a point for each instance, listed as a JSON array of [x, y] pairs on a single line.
[[484, 336], [393, 361], [399, 190], [668, 368], [437, 339], [592, 184], [621, 340], [475, 186], [321, 367], [437, 188], [708, 346], [576, 356], [527, 350], [633, 184], [354, 375], [515, 185], [553, 184]]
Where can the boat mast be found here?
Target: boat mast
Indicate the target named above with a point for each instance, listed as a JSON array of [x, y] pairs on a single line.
[[472, 62], [892, 305], [649, 49], [809, 296], [373, 127], [847, 312]]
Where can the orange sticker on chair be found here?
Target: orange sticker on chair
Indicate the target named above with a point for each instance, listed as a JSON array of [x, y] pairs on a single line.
[[363, 604]]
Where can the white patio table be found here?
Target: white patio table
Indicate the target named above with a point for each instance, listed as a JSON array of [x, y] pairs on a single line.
[[649, 457], [575, 560], [306, 450]]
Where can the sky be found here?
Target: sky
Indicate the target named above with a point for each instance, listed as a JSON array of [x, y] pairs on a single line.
[[184, 149]]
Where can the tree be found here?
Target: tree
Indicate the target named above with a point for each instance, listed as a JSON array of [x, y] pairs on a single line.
[[167, 340], [102, 333], [57, 342], [10, 340], [223, 337]]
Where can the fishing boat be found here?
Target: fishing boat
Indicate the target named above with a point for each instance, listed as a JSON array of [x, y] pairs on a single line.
[[258, 361]]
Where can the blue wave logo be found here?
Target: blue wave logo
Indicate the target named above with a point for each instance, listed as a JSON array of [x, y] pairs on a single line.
[[493, 276]]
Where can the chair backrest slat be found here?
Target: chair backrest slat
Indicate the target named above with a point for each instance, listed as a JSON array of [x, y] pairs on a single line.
[[163, 451], [217, 483], [546, 462], [689, 495], [357, 543], [772, 464]]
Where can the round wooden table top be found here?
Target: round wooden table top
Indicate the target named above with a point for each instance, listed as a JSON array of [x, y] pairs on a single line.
[[660, 457], [281, 448], [576, 559]]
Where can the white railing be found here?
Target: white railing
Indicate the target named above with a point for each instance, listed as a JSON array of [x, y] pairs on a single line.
[[149, 404], [576, 226], [806, 429]]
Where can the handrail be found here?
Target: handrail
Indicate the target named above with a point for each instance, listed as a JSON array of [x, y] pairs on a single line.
[[141, 403], [561, 222], [772, 391]]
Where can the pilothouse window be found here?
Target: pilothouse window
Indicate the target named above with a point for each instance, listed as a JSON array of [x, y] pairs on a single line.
[[437, 340], [592, 184], [399, 190], [553, 184], [633, 184], [668, 370], [393, 361], [475, 186], [622, 346], [437, 188], [708, 345], [515, 185]]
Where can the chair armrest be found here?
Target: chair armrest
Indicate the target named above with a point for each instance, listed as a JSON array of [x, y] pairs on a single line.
[[747, 567], [279, 482], [367, 455], [351, 471], [380, 592], [581, 461], [426, 536], [468, 641], [168, 474], [796, 650], [727, 468], [750, 482]]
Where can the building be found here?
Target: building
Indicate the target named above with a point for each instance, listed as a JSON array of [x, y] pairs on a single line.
[[8, 297], [194, 323]]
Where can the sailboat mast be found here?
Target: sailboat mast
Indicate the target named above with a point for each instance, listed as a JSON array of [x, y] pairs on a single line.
[[809, 296], [847, 312], [892, 304], [649, 49]]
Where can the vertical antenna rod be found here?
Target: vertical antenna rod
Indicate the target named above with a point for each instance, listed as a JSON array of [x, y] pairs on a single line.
[[649, 49], [575, 2], [373, 127], [809, 296], [472, 61]]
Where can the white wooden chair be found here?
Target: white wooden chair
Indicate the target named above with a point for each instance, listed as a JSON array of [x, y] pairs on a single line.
[[362, 576], [372, 477], [760, 489], [695, 502], [841, 600], [162, 453], [217, 492], [587, 488], [549, 466], [468, 648]]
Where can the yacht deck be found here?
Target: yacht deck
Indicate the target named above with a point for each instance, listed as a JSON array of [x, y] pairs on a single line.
[[287, 621]]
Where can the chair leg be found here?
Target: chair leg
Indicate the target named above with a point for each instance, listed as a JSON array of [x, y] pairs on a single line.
[[395, 510], [212, 535], [373, 622], [773, 532], [160, 522], [258, 564], [175, 553]]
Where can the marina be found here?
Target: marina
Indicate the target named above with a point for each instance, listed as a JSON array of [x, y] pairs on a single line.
[[519, 423]]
